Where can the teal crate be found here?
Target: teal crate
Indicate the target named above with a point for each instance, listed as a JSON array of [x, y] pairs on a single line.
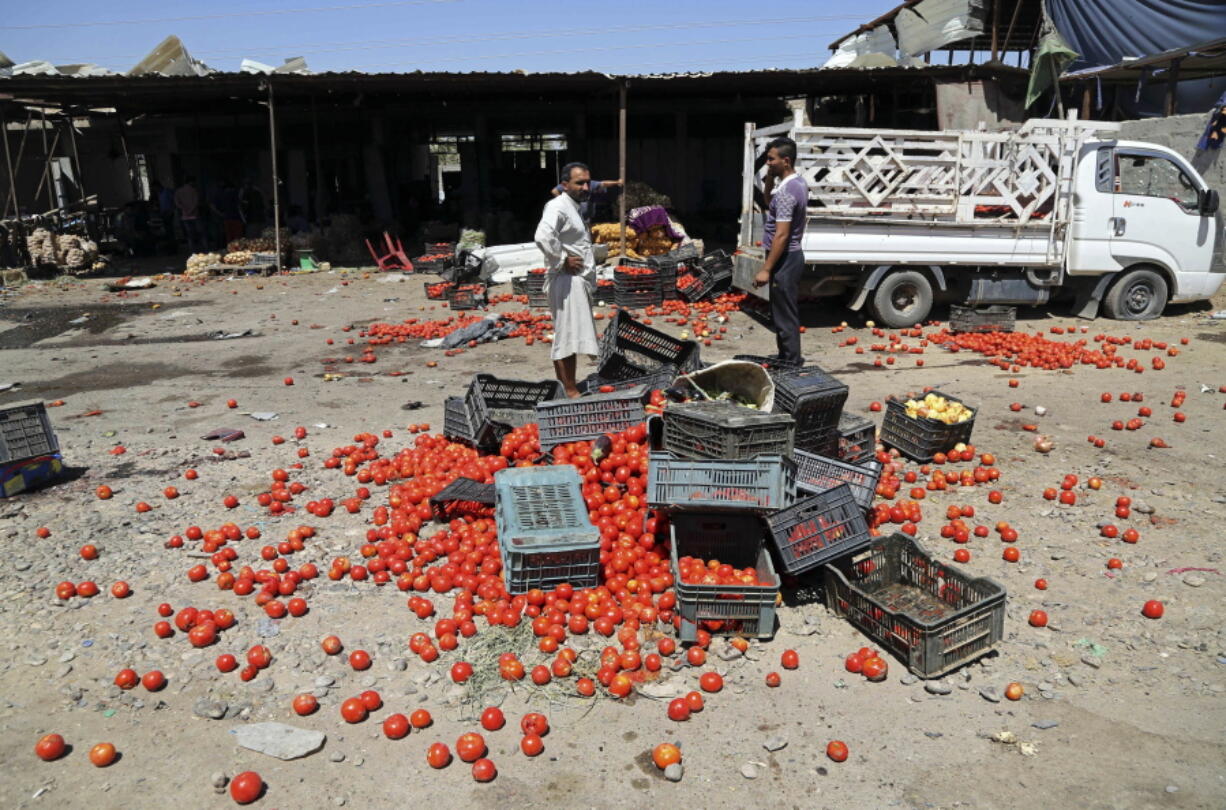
[[762, 484]]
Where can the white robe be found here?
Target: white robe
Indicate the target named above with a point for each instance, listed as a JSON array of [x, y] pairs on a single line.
[[562, 233]]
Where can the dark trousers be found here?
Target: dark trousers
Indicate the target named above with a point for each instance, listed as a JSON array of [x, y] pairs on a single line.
[[785, 308]]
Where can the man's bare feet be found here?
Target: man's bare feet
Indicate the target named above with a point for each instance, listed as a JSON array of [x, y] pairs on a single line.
[[573, 393]]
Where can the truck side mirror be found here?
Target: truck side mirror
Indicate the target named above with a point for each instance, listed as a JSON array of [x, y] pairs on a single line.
[[1208, 201]]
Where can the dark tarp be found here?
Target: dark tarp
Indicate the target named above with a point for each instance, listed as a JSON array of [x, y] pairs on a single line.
[[1104, 32]]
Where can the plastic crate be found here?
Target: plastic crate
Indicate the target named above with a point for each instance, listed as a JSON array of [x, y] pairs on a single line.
[[816, 473], [762, 484], [932, 616], [769, 363], [668, 267], [457, 424], [464, 496], [659, 379], [815, 400], [466, 296], [819, 528], [857, 438], [533, 286], [631, 349], [547, 568], [435, 248], [730, 610], [423, 265], [589, 417], [920, 438], [438, 290], [637, 290], [724, 430], [541, 507], [25, 432], [985, 319], [494, 399]]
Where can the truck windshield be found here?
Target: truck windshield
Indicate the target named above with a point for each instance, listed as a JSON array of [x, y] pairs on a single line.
[[1152, 176]]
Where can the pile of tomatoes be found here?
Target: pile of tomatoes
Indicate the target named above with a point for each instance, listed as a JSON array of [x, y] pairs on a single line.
[[695, 571]]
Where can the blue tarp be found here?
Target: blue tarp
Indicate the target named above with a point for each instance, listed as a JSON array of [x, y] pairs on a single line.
[[1105, 32]]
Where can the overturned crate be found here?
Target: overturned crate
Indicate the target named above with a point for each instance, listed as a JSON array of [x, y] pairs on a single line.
[[725, 430], [857, 438], [630, 349], [763, 484], [931, 616], [544, 534], [25, 433], [463, 496], [815, 400], [730, 610], [819, 528], [816, 473]]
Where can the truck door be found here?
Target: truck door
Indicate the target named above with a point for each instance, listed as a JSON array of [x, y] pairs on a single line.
[[1089, 248], [1156, 219]]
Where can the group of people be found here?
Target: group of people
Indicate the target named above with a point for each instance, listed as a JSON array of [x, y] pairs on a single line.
[[226, 213], [564, 237]]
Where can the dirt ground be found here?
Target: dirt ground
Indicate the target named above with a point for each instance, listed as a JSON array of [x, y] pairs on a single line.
[[1122, 711]]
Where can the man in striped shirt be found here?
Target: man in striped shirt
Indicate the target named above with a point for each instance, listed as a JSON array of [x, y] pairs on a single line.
[[787, 197]]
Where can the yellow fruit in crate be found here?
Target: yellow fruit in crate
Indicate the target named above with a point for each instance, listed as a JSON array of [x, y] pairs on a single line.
[[934, 406]]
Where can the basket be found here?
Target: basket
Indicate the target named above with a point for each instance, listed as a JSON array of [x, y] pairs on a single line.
[[762, 484], [724, 430], [857, 438], [815, 400], [25, 433], [541, 507], [822, 527], [630, 349], [464, 496], [986, 319], [816, 473], [668, 267], [638, 290], [466, 296], [438, 290], [730, 610], [922, 438], [589, 417], [932, 616], [659, 379], [509, 402]]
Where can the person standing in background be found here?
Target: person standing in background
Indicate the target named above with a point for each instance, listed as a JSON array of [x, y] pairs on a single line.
[[787, 209], [564, 239], [599, 188], [187, 201], [251, 205]]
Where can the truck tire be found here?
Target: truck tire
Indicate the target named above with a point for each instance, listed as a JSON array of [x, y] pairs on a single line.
[[1138, 295], [903, 298]]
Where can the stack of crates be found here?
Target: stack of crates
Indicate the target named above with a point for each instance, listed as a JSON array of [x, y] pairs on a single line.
[[493, 407], [631, 350], [815, 400], [29, 449], [544, 534]]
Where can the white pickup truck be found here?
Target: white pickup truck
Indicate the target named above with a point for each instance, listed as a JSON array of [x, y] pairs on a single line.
[[899, 218]]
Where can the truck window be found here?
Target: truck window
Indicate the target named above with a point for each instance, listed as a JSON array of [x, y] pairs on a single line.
[[1151, 176]]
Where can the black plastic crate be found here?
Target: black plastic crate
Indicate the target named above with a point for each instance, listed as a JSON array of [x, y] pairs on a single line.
[[547, 568], [762, 484], [984, 319], [495, 399], [25, 433], [686, 252], [533, 286], [815, 400], [424, 264], [589, 417], [857, 438], [771, 364], [633, 289], [932, 616], [730, 610], [466, 296], [457, 423], [724, 430], [920, 438], [463, 496], [631, 349], [438, 290], [659, 379], [667, 267], [816, 473], [437, 248], [818, 529]]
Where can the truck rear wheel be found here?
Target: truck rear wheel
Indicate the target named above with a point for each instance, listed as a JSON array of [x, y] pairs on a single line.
[[903, 298], [1138, 295]]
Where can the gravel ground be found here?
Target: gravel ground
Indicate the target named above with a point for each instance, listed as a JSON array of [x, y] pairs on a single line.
[[1119, 711]]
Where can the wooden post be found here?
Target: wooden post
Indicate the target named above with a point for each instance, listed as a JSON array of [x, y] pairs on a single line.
[[1009, 31], [621, 159], [46, 161], [1172, 81], [8, 162], [276, 190], [76, 158], [995, 21], [1085, 101]]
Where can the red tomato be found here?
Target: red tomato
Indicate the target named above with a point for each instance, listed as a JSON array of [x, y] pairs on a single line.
[[304, 704], [789, 660], [102, 754], [534, 723], [396, 726], [246, 787], [438, 755], [1038, 618], [694, 699], [420, 718], [484, 770], [531, 744], [696, 656], [470, 746], [153, 680], [711, 682], [1153, 609], [359, 659], [837, 750], [678, 710], [773, 679], [493, 719], [50, 747], [353, 710]]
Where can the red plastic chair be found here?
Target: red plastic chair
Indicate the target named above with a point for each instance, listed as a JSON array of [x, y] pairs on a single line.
[[395, 259]]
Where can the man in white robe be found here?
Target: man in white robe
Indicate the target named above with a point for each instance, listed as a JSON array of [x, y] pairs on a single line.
[[563, 237]]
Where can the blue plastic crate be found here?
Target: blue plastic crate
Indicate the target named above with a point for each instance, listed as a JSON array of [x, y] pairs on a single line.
[[762, 484], [541, 508]]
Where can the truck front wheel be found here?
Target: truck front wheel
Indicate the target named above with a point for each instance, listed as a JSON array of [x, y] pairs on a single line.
[[1138, 295], [903, 298]]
